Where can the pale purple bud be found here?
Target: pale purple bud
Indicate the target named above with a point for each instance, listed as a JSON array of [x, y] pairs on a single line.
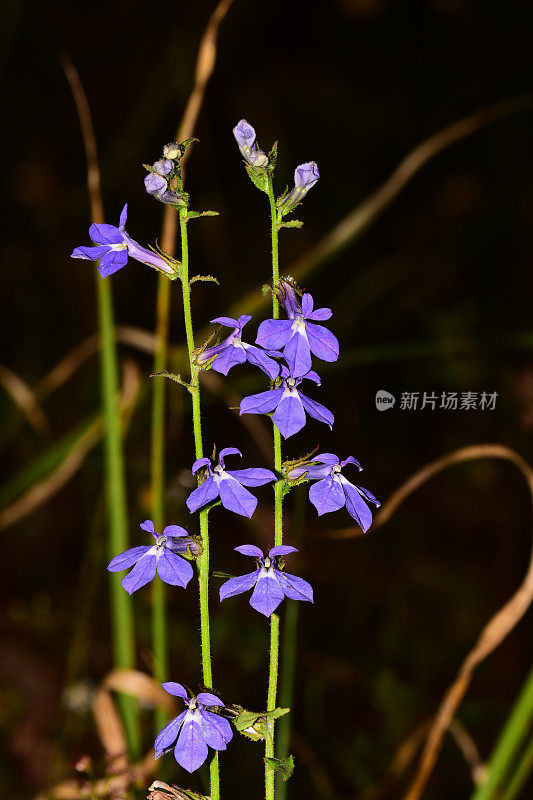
[[246, 139], [305, 177]]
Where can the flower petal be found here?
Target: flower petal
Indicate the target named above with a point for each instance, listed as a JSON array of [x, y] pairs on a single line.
[[228, 322], [323, 343], [317, 410], [228, 358], [191, 750], [209, 699], [260, 359], [267, 595], [205, 493], [238, 585], [253, 476], [228, 451], [236, 498], [168, 735], [326, 495], [112, 262], [221, 723], [351, 460], [102, 233], [298, 355], [210, 732], [356, 506], [171, 687], [123, 217], [142, 573], [128, 558], [261, 403], [321, 314], [249, 550], [173, 569], [294, 587], [200, 462], [90, 253], [282, 550], [289, 416], [174, 531], [307, 304], [274, 334], [368, 496]]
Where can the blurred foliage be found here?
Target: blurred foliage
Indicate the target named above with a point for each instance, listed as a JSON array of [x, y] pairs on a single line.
[[434, 297]]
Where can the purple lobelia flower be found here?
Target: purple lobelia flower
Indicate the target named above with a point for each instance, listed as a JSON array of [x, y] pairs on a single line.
[[232, 350], [333, 491], [194, 730], [305, 177], [288, 404], [161, 558], [157, 182], [271, 584], [246, 139], [228, 485], [298, 335], [114, 246]]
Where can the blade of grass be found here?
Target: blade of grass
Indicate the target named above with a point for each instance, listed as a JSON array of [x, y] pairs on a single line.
[[504, 755], [115, 481]]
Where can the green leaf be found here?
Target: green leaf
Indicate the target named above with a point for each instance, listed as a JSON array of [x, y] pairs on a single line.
[[284, 765], [273, 157], [203, 278], [254, 724], [195, 214], [258, 177], [173, 377], [292, 223]]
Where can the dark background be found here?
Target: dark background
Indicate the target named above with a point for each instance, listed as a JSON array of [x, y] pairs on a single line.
[[433, 297]]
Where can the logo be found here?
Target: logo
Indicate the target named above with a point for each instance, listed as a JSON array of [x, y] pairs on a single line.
[[384, 400]]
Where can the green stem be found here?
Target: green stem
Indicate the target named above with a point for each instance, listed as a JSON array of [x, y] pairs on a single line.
[[290, 636], [278, 522], [157, 475], [203, 560], [121, 604], [509, 742], [520, 774]]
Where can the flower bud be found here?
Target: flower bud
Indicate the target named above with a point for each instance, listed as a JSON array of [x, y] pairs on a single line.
[[305, 177], [246, 139]]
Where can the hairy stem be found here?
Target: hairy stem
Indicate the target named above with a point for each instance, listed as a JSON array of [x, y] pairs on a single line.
[[278, 523], [290, 637], [203, 560]]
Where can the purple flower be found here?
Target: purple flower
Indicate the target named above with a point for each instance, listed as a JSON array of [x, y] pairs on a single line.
[[228, 485], [161, 558], [234, 351], [288, 404], [271, 585], [114, 245], [298, 335], [194, 729], [305, 177], [333, 491], [246, 139], [157, 182]]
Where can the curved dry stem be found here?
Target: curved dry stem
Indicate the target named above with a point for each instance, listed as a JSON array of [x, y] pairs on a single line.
[[25, 399], [498, 627], [122, 776], [89, 139], [41, 491]]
